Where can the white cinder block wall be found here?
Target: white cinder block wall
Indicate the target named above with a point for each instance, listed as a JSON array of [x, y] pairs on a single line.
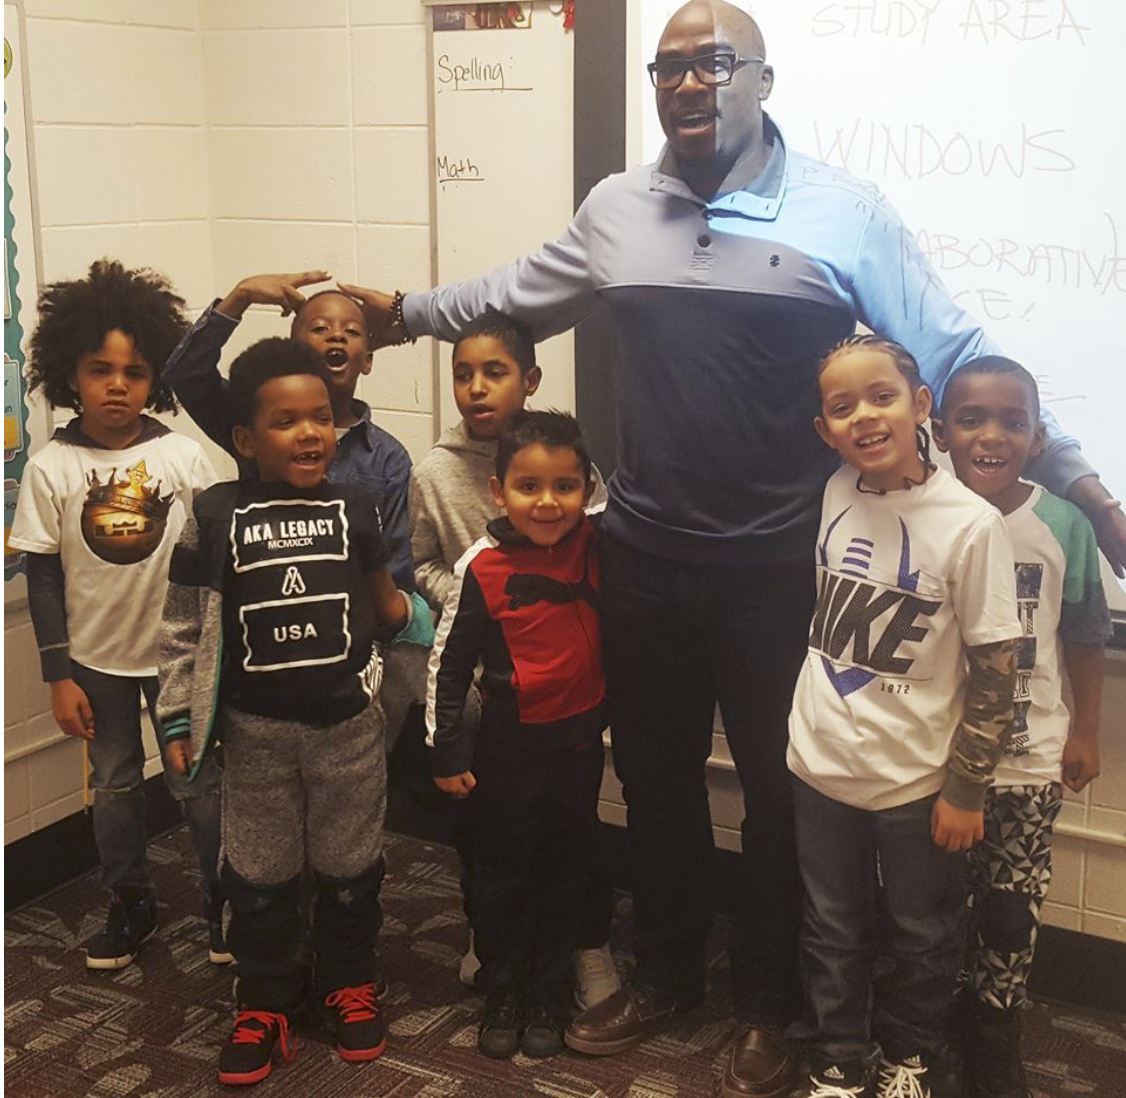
[[118, 111], [214, 139], [319, 159]]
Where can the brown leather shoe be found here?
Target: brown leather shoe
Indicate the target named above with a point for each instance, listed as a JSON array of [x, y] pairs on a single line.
[[624, 1020], [763, 1064]]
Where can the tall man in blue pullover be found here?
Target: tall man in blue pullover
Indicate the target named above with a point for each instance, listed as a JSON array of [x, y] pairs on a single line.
[[729, 267]]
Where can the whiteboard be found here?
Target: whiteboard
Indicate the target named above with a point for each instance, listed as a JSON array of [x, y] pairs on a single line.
[[26, 421], [993, 128], [503, 166]]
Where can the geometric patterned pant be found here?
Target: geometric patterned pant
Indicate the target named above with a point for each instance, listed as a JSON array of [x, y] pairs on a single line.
[[1011, 869]]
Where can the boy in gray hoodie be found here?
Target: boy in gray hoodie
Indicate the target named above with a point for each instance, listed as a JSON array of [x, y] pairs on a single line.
[[450, 503]]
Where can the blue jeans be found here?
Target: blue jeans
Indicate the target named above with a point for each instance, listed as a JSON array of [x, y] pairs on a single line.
[[846, 854], [117, 762]]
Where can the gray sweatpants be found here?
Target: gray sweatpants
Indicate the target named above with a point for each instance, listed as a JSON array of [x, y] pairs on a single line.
[[297, 797], [297, 794]]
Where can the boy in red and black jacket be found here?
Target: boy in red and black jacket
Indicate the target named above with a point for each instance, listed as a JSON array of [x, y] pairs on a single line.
[[525, 605]]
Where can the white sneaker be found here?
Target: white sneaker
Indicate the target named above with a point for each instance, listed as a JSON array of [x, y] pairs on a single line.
[[470, 965], [596, 978], [907, 1079]]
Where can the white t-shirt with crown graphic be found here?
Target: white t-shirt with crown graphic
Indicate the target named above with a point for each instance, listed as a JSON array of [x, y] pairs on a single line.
[[114, 517]]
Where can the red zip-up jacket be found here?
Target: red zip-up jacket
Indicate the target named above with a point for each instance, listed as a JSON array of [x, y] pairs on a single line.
[[530, 614]]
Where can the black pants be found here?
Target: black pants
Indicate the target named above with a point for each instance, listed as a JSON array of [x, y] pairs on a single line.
[[677, 639], [533, 815], [266, 933]]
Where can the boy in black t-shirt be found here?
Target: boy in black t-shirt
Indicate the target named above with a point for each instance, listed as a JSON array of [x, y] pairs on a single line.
[[278, 590]]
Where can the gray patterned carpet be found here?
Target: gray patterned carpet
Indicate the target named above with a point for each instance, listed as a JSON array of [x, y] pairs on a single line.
[[153, 1029]]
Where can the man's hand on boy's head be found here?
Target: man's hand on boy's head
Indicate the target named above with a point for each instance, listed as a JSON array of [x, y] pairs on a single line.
[[179, 754], [956, 829], [270, 289], [71, 708], [381, 326], [457, 785], [1080, 761]]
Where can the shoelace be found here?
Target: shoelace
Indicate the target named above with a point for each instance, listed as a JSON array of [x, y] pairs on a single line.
[[595, 963], [357, 1004], [822, 1089], [903, 1080], [246, 1034]]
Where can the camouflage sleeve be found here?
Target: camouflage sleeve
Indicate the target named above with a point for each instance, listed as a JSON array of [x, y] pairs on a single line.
[[987, 723]]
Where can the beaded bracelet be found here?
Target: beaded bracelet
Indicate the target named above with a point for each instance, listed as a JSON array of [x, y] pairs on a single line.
[[397, 320]]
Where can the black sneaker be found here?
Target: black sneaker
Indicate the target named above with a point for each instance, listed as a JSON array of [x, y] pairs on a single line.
[[131, 919], [354, 1015], [846, 1079], [993, 1065], [501, 1025], [543, 1032], [218, 953], [247, 1056], [906, 1078]]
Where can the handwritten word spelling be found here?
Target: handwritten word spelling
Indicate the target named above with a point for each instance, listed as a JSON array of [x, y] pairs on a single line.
[[475, 74]]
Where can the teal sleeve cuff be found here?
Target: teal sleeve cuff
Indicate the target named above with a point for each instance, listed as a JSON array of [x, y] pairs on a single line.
[[420, 629], [177, 728]]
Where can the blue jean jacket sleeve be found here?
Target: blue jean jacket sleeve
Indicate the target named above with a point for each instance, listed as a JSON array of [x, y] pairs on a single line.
[[396, 523], [192, 371]]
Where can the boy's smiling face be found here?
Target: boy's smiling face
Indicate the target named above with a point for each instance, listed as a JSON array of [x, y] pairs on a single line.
[[291, 437], [489, 385], [333, 325], [544, 492], [991, 430]]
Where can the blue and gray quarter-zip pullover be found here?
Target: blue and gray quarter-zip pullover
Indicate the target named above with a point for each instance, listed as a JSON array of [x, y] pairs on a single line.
[[722, 311]]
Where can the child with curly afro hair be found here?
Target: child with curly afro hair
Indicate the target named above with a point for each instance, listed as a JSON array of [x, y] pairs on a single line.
[[75, 317], [99, 511]]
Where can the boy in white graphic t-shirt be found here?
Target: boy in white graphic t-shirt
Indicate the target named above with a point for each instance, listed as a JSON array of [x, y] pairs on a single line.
[[899, 716], [990, 424], [99, 510]]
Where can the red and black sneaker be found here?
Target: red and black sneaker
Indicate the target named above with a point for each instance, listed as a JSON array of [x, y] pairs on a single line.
[[355, 1017], [246, 1057]]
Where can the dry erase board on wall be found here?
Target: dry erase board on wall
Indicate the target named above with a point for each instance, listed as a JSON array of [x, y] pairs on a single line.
[[994, 129], [501, 93]]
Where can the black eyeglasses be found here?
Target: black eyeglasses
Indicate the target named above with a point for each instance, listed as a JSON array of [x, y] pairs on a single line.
[[713, 69]]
